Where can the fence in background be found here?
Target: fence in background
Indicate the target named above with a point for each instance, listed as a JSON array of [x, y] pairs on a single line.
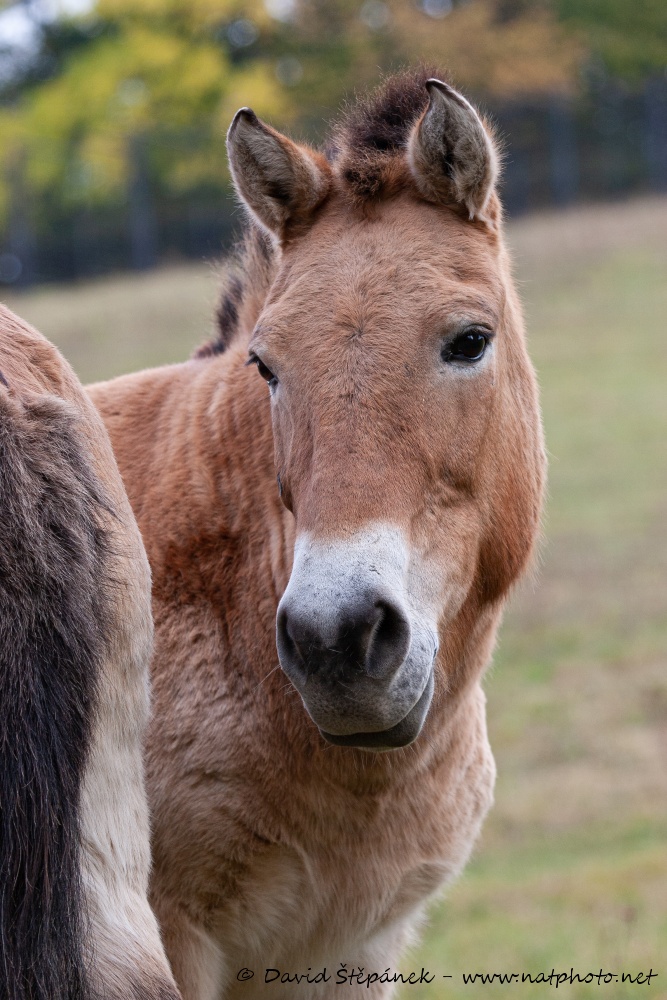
[[606, 144]]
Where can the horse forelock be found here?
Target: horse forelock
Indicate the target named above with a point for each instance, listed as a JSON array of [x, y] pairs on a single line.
[[380, 121], [370, 138]]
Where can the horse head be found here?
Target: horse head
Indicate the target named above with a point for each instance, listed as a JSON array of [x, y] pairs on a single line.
[[405, 416]]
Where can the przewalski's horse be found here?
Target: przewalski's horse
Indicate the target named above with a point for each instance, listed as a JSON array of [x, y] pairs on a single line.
[[374, 296], [75, 644]]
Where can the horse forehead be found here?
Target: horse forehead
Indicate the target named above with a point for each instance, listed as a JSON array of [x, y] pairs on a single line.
[[407, 252]]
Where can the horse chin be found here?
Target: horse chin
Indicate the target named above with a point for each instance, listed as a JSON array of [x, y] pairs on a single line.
[[401, 735]]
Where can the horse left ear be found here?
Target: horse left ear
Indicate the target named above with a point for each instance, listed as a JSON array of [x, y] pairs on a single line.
[[451, 154], [281, 182]]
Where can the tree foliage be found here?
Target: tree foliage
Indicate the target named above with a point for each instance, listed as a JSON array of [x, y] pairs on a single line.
[[174, 71], [628, 37]]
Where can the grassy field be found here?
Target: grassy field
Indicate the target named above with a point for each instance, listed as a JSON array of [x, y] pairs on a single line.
[[571, 870]]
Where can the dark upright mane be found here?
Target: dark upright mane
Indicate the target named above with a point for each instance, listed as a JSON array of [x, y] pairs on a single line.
[[226, 312], [52, 642], [374, 131], [244, 275], [363, 143], [380, 122]]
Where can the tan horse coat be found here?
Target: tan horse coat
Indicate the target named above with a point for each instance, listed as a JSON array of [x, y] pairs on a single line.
[[272, 848]]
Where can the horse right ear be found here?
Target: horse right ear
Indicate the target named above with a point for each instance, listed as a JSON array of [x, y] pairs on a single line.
[[451, 154], [282, 183]]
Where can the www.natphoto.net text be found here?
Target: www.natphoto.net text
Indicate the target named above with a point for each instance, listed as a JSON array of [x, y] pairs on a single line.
[[354, 976]]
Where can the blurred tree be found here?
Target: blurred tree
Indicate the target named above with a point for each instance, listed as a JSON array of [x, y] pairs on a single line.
[[495, 48], [166, 76], [629, 37]]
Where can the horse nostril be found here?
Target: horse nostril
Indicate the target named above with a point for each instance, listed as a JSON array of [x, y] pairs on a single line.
[[388, 641], [289, 652], [373, 638]]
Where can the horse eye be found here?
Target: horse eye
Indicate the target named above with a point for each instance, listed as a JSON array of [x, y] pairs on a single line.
[[468, 347], [265, 372]]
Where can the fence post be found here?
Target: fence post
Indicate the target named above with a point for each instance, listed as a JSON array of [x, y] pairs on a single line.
[[563, 163], [516, 179], [142, 221], [655, 135], [21, 237]]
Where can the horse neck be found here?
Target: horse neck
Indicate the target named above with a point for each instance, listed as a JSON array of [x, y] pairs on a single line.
[[200, 473]]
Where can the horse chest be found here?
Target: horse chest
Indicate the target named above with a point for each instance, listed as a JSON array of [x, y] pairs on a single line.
[[310, 908]]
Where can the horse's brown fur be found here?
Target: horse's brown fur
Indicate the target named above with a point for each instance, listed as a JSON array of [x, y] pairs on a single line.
[[273, 848], [75, 640]]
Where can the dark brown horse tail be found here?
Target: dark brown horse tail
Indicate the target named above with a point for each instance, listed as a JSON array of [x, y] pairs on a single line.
[[53, 551]]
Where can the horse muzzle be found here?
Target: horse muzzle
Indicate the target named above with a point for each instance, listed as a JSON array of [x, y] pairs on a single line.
[[351, 643]]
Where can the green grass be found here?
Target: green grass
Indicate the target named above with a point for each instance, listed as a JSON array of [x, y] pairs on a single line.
[[122, 323], [571, 869]]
